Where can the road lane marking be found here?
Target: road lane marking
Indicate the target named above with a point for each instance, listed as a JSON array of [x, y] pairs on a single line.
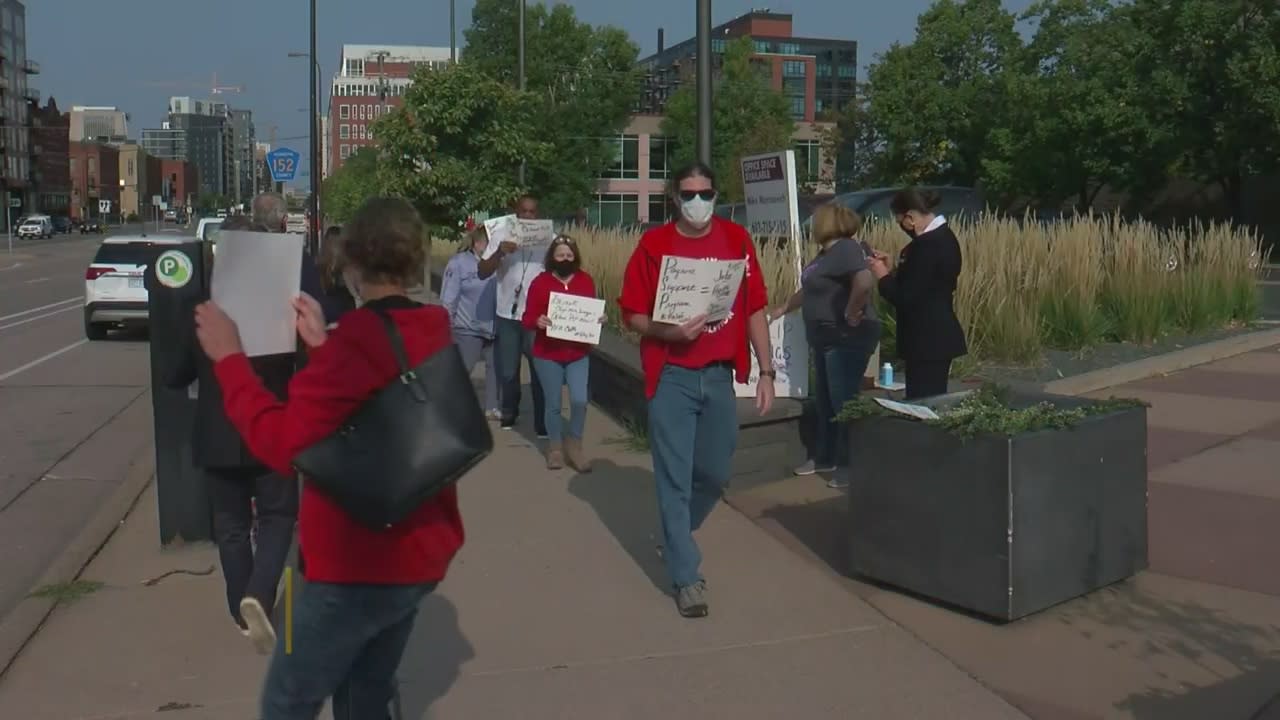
[[37, 280], [14, 266], [42, 359], [42, 307], [24, 321]]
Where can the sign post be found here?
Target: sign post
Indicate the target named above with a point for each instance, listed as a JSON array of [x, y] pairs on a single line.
[[283, 163], [773, 210], [8, 218]]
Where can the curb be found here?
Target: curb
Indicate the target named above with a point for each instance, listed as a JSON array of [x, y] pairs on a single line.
[[1163, 364], [21, 624]]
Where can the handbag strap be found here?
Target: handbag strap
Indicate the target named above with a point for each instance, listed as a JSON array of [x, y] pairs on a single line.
[[397, 342]]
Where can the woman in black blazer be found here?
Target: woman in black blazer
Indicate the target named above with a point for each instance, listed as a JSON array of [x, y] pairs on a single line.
[[921, 288]]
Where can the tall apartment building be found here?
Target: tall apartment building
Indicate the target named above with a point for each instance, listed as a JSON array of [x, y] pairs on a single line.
[[202, 133], [371, 80], [99, 124], [17, 161], [51, 148], [243, 141], [816, 75]]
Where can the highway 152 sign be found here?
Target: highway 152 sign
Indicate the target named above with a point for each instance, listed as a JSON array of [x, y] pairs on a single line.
[[283, 163]]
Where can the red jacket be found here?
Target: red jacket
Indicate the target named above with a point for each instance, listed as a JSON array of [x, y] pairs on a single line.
[[725, 342], [354, 362], [536, 304]]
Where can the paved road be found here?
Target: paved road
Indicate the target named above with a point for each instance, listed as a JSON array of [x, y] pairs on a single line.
[[73, 414]]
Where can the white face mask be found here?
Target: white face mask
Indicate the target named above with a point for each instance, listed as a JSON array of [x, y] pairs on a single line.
[[697, 212]]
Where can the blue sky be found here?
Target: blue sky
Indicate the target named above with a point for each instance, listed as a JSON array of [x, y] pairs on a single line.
[[134, 54]]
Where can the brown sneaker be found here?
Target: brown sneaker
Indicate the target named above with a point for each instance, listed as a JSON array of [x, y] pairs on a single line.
[[555, 458], [576, 457]]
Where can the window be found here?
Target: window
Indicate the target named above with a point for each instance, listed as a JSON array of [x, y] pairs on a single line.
[[797, 107], [344, 151], [344, 112], [793, 69], [788, 49], [717, 45], [377, 111], [659, 208], [73, 167], [344, 132], [93, 165], [129, 171], [848, 71], [627, 158], [824, 70], [762, 46], [614, 209], [819, 105], [808, 160], [793, 86], [658, 155], [355, 67], [362, 131]]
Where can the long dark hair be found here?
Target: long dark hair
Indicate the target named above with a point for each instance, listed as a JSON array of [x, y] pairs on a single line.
[[691, 170], [550, 259], [914, 200], [331, 259]]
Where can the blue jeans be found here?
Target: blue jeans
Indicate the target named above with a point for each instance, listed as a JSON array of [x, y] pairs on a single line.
[[511, 343], [693, 431], [473, 349], [838, 373], [554, 375], [347, 644]]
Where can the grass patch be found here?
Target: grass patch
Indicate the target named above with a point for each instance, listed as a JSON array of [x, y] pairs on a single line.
[[632, 439], [67, 592]]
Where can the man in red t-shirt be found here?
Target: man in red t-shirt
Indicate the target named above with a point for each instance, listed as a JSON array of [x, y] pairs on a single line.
[[689, 371]]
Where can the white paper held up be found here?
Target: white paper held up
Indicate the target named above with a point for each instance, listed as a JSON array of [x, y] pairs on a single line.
[[575, 318], [256, 276], [688, 288], [534, 235]]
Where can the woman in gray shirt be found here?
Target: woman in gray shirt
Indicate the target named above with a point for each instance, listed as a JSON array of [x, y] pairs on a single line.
[[842, 329], [471, 302]]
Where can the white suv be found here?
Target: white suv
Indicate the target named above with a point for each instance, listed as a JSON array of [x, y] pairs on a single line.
[[115, 291], [36, 226]]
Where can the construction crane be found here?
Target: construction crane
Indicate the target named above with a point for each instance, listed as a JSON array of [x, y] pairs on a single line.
[[181, 85], [222, 89]]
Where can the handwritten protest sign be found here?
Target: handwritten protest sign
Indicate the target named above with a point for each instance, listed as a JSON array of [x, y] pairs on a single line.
[[576, 318], [790, 361], [533, 235], [500, 229], [688, 288]]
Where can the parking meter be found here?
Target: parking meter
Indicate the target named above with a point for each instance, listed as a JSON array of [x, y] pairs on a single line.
[[177, 281]]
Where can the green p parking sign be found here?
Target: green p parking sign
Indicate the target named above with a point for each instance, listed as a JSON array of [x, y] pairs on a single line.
[[173, 269]]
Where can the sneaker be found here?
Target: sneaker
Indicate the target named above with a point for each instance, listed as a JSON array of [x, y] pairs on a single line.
[[543, 435], [494, 416], [507, 424], [812, 468], [260, 632], [837, 483], [691, 600], [555, 458]]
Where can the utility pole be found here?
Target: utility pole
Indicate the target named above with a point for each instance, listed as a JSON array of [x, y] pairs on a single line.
[[704, 82], [522, 78], [453, 31], [313, 225]]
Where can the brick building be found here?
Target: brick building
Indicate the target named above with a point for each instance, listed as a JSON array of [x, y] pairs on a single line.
[[140, 172], [816, 75], [51, 148], [371, 79], [95, 177], [179, 183]]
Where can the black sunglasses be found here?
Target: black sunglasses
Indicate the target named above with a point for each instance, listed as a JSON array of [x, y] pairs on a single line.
[[688, 195]]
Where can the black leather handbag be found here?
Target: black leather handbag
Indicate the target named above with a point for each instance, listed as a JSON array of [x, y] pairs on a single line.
[[416, 436]]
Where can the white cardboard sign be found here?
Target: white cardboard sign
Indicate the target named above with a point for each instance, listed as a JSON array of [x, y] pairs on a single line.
[[790, 361], [688, 288], [575, 318]]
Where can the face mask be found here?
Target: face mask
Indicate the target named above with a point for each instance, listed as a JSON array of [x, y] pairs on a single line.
[[563, 268], [697, 212]]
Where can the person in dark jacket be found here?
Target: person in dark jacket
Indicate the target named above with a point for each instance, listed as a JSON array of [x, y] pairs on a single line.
[[353, 617], [337, 299], [244, 494], [921, 289]]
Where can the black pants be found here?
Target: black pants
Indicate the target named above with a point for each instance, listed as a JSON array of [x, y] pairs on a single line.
[[926, 378], [233, 494]]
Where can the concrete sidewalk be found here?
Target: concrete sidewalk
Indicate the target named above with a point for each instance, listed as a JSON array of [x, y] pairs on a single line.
[[553, 610]]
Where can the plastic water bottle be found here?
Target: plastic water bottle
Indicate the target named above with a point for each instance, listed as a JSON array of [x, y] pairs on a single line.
[[886, 375]]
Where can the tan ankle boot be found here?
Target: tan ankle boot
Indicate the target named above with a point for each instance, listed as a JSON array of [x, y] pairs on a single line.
[[575, 455], [555, 458]]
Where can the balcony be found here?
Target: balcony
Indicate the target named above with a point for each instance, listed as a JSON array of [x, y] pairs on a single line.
[[31, 67], [32, 94]]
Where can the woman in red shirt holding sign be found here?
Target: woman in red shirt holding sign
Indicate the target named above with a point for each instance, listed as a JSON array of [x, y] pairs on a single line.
[[560, 362], [689, 371]]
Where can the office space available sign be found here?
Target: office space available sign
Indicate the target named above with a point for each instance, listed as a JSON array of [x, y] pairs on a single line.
[[769, 187]]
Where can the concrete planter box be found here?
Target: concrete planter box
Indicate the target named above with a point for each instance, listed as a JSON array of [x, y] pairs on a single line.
[[1002, 527]]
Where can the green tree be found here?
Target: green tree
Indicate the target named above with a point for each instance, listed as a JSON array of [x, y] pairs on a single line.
[[935, 101], [1212, 74], [857, 144], [347, 188], [454, 145], [748, 117], [585, 81]]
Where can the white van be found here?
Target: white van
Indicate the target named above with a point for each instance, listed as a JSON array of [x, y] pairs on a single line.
[[36, 226]]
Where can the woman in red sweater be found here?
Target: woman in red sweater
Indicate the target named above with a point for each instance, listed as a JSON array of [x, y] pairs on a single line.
[[557, 362], [353, 616]]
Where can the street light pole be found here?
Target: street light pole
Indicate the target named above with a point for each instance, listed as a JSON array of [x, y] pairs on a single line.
[[704, 82], [522, 78], [313, 235], [453, 31]]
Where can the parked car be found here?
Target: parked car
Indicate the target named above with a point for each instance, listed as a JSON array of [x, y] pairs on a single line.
[[115, 292], [91, 226], [36, 226], [171, 215], [873, 204], [62, 224]]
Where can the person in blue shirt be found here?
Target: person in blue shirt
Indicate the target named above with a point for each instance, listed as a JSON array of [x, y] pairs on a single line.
[[472, 305]]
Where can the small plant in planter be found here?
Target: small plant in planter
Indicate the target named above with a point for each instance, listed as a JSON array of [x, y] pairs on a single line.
[[1005, 504]]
